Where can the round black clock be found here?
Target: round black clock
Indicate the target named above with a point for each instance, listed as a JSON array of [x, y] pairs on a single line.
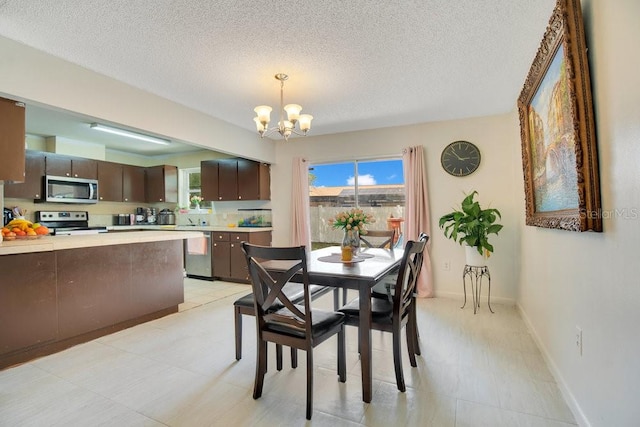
[[460, 158]]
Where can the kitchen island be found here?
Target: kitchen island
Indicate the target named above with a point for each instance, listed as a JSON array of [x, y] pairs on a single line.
[[59, 291]]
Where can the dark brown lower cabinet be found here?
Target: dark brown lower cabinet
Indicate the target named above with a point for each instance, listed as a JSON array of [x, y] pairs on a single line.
[[53, 300], [28, 311], [228, 259]]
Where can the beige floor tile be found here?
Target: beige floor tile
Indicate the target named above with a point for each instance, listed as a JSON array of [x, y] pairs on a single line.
[[180, 370]]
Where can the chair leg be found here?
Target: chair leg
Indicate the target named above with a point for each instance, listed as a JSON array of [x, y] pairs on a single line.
[[279, 357], [261, 368], [411, 343], [342, 356], [416, 333], [294, 358], [238, 325], [309, 382], [397, 359]]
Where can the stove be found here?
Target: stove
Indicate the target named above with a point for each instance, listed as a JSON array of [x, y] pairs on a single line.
[[67, 222]]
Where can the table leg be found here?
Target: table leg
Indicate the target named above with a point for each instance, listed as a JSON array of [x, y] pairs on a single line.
[[364, 332]]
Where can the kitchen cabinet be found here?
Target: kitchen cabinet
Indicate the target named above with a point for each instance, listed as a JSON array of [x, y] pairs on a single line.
[[31, 188], [209, 180], [229, 262], [12, 140], [109, 182], [235, 179], [161, 184], [133, 184], [28, 309], [61, 165], [254, 181]]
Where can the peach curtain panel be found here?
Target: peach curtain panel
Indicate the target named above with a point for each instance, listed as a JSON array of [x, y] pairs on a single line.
[[417, 211], [300, 224]]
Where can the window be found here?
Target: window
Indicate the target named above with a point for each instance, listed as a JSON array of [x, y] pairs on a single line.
[[376, 186], [190, 186]]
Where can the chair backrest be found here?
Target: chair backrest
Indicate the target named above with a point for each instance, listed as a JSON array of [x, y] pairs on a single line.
[[384, 238], [410, 266], [268, 287]]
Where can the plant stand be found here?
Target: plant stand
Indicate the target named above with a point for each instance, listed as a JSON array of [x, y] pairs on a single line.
[[475, 274]]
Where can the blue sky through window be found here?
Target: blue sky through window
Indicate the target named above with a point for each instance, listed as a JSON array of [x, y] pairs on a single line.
[[370, 173]]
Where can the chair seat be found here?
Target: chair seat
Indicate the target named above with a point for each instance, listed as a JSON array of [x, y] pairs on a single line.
[[322, 322], [383, 290], [381, 309], [294, 291]]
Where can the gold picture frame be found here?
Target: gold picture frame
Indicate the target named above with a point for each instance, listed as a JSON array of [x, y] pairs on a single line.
[[557, 129]]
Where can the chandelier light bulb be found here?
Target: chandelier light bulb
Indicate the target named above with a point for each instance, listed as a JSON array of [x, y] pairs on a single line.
[[285, 127]]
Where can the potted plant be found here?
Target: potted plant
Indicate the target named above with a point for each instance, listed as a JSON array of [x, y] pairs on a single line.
[[472, 225]]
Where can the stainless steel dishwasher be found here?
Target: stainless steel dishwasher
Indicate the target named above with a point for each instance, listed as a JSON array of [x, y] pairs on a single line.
[[197, 257]]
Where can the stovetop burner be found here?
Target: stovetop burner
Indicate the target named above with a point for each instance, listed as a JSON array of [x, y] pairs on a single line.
[[67, 222]]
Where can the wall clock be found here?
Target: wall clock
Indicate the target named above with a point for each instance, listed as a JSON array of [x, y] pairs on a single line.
[[460, 158]]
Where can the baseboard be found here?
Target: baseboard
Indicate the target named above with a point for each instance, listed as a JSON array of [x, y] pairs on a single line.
[[460, 296], [575, 408]]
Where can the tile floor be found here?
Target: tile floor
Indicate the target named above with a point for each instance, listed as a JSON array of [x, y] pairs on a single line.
[[482, 370]]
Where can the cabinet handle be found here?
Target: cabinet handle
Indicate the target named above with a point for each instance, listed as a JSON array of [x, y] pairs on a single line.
[[37, 196], [233, 246], [160, 199], [67, 174], [126, 200], [219, 197], [239, 197], [75, 175], [101, 198]]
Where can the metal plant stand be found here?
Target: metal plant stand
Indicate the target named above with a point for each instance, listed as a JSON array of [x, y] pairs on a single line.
[[475, 274]]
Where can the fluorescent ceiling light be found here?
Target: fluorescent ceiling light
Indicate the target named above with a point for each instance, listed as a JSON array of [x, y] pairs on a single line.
[[129, 134]]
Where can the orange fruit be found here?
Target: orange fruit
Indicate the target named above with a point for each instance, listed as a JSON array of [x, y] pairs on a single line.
[[5, 230], [19, 232], [42, 230], [31, 232]]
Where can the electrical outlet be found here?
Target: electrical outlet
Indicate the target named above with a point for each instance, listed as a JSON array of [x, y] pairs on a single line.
[[446, 266], [579, 340]]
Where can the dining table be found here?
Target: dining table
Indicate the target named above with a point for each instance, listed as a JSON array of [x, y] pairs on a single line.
[[369, 267]]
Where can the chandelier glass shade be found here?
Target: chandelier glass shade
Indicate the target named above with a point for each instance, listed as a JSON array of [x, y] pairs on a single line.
[[287, 126]]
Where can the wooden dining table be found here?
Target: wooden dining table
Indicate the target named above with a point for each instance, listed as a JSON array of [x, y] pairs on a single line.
[[361, 275]]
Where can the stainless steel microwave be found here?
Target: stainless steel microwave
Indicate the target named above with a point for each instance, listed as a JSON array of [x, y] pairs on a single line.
[[64, 189]]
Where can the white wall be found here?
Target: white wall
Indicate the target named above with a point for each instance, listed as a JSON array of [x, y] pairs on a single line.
[[32, 76], [591, 280], [497, 179]]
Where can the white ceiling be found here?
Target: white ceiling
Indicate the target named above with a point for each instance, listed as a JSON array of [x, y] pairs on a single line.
[[352, 64]]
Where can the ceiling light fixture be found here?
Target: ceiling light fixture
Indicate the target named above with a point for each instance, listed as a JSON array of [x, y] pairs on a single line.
[[285, 127], [129, 134]]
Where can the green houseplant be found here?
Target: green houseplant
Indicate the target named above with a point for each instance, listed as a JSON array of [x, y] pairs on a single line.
[[472, 225]]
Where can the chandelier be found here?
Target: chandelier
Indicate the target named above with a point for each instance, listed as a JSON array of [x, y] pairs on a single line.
[[285, 127]]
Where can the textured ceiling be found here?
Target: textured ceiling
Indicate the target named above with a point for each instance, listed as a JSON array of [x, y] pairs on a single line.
[[353, 65]]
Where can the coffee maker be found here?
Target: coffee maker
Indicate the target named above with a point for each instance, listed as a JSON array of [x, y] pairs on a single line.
[[152, 215], [141, 216]]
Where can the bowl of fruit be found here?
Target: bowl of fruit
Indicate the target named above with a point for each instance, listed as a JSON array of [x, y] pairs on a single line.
[[20, 228]]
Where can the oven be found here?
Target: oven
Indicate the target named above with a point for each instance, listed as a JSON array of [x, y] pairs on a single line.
[[67, 222]]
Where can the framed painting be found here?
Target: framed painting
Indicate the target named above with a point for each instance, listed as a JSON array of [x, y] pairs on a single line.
[[557, 129]]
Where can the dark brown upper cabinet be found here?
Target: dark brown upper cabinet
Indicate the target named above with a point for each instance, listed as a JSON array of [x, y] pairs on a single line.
[[31, 188], [161, 184], [12, 140], [235, 179], [61, 165]]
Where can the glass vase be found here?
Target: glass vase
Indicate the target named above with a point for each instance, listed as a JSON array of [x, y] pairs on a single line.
[[352, 238]]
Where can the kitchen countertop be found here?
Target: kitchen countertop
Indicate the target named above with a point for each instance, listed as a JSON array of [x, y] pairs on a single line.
[[56, 243], [221, 228]]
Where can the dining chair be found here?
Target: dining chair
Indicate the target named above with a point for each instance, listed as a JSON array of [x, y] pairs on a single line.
[[397, 313], [297, 326], [245, 306], [374, 239], [384, 289], [371, 239]]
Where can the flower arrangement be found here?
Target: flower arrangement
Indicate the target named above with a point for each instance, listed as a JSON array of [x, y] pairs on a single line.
[[354, 219], [196, 200]]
